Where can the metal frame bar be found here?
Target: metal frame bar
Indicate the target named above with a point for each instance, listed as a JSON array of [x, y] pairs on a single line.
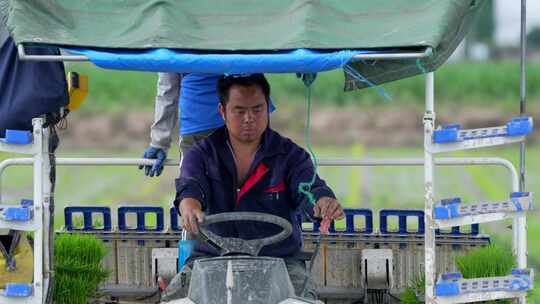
[[24, 56], [519, 225], [39, 233], [373, 56], [395, 55], [429, 234], [364, 162], [327, 162]]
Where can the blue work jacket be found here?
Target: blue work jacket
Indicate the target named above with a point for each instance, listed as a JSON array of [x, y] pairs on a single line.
[[208, 174]]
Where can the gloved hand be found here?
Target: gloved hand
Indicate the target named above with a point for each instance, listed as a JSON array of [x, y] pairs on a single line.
[[159, 155]]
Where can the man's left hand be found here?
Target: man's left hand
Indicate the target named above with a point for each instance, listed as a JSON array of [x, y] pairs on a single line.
[[328, 208], [159, 155]]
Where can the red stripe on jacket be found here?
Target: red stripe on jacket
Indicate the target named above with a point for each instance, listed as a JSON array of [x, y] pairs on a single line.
[[253, 179]]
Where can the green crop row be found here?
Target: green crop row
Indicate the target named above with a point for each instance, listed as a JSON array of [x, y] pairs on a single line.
[[461, 83]]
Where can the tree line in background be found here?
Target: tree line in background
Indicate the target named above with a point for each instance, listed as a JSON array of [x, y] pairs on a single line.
[[483, 32]]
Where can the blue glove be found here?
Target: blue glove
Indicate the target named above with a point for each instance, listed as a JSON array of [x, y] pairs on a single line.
[[159, 155]]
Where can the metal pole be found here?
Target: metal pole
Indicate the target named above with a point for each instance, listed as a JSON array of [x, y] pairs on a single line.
[[429, 235], [519, 225], [522, 88], [48, 219], [523, 48], [393, 55], [39, 233], [24, 56]]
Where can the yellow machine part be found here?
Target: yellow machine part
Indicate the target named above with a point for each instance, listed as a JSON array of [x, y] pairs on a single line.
[[77, 88], [25, 265]]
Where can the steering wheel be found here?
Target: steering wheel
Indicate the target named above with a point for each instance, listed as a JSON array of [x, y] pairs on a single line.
[[226, 245]]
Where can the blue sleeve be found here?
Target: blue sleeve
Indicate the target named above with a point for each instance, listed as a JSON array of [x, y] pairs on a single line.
[[301, 171], [193, 182]]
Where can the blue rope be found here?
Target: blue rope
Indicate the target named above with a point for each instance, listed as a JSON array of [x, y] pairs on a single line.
[[349, 70], [305, 187]]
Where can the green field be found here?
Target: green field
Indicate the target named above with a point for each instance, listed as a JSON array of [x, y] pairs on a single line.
[[464, 83]]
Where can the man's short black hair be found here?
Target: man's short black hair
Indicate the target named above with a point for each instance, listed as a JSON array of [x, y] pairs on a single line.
[[225, 83]]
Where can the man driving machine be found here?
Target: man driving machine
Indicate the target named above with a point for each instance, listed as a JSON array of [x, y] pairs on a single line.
[[245, 166]]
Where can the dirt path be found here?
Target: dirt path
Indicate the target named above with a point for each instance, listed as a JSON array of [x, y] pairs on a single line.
[[374, 126]]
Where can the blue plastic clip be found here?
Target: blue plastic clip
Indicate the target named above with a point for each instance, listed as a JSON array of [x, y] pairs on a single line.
[[447, 285], [402, 218], [18, 290], [519, 194], [446, 289], [447, 133], [17, 137], [88, 212], [141, 221], [17, 214], [523, 279], [514, 198], [448, 208], [521, 272], [27, 203], [521, 125], [451, 276]]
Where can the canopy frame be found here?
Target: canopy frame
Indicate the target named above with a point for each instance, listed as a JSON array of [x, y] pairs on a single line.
[[394, 55]]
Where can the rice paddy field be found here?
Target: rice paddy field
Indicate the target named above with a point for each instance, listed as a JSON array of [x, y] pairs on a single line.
[[358, 187]]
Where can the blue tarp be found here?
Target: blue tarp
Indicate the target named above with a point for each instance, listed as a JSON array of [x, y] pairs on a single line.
[[165, 60]]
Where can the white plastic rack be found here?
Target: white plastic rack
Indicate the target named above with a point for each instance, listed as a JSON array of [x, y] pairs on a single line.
[[449, 138], [451, 212], [452, 288], [29, 215]]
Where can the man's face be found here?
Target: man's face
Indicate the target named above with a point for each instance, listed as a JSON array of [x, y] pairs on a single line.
[[246, 113]]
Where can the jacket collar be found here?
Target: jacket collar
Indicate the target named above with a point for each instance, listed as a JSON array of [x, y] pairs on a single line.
[[271, 142]]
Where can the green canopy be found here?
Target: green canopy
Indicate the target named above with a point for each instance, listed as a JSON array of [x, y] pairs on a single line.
[[248, 25]]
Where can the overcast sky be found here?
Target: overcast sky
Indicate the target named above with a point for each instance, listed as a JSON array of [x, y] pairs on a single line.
[[508, 14]]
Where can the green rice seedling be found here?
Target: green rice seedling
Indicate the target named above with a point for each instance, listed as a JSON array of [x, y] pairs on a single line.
[[78, 270], [488, 261], [416, 287], [409, 297]]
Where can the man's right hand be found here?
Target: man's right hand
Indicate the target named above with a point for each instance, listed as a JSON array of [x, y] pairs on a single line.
[[159, 155], [192, 215]]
